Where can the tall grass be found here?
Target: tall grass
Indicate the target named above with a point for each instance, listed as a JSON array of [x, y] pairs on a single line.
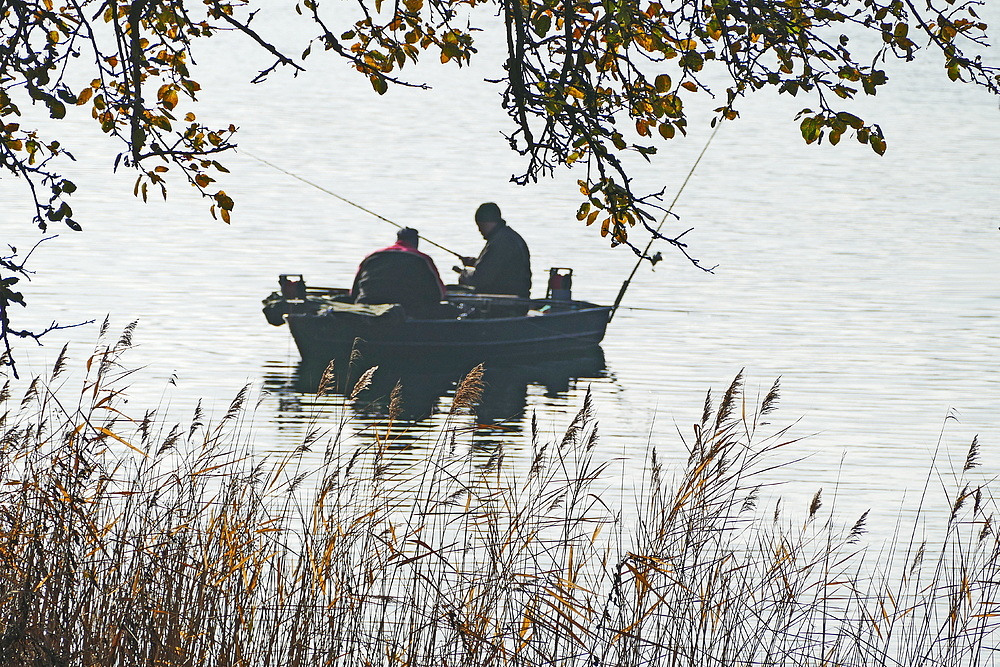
[[127, 542]]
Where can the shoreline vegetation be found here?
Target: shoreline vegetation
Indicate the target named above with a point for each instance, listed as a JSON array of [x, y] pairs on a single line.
[[127, 542]]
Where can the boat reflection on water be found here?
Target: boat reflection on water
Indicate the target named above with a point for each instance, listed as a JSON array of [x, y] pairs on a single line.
[[425, 391]]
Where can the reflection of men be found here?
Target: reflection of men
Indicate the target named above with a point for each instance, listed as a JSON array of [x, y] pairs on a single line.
[[504, 265], [399, 274]]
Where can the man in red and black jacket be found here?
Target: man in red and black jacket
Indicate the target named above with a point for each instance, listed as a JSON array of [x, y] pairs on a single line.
[[400, 274]]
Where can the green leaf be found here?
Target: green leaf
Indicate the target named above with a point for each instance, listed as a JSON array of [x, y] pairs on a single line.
[[693, 61], [57, 109], [878, 144], [542, 24], [810, 129], [850, 119], [66, 95]]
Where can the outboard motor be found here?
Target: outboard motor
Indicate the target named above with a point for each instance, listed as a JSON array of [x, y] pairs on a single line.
[[560, 286]]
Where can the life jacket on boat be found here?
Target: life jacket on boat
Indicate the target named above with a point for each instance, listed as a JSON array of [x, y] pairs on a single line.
[[399, 274]]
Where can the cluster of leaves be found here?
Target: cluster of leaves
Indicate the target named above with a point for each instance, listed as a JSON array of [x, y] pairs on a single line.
[[128, 62], [578, 68], [378, 46]]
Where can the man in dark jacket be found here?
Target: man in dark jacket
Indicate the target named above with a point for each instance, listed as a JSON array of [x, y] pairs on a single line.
[[504, 265], [400, 274]]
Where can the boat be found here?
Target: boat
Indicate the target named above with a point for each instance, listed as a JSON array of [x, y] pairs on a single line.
[[468, 327]]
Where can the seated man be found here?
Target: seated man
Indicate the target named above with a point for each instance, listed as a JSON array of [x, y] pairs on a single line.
[[504, 265], [400, 274]]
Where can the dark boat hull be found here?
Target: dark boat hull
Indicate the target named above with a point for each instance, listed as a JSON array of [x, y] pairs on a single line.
[[550, 328]]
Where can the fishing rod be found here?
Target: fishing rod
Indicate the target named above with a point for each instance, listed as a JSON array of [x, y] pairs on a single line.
[[347, 201], [653, 237]]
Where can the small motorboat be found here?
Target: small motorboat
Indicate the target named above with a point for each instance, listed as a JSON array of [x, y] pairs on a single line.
[[468, 327]]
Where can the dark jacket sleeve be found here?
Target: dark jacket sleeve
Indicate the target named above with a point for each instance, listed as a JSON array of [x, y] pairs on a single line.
[[503, 267], [489, 266]]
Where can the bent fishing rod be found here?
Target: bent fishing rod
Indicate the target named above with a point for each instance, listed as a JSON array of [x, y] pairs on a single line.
[[656, 233], [347, 201]]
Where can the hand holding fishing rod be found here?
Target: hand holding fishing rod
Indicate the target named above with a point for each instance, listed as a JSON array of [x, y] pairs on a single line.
[[466, 261]]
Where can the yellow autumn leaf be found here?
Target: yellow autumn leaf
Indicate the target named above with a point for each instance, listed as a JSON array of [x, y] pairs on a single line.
[[169, 98]]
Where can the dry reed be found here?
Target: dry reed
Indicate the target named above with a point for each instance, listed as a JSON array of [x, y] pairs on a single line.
[[125, 542]]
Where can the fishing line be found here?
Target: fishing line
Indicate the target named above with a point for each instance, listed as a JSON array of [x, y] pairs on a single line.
[[346, 201], [645, 252]]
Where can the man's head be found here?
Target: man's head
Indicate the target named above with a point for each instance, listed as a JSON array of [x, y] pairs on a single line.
[[488, 218], [408, 236]]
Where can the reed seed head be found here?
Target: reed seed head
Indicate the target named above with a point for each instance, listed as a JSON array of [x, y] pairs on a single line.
[[972, 458], [396, 402], [469, 390], [816, 503], [327, 380], [363, 382]]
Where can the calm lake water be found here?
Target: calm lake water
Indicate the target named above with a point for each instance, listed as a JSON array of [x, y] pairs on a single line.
[[868, 284]]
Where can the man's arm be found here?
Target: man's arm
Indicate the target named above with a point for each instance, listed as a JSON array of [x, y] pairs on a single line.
[[491, 265]]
